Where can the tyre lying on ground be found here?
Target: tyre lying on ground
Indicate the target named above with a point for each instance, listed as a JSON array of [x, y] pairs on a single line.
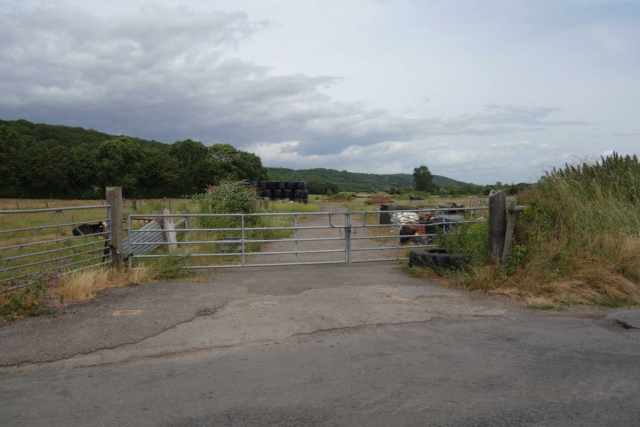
[[437, 258]]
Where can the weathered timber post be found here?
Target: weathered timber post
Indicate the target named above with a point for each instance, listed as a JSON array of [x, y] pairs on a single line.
[[497, 224], [169, 230], [511, 224], [114, 200]]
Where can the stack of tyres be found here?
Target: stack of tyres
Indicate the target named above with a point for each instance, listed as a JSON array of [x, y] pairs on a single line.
[[278, 190]]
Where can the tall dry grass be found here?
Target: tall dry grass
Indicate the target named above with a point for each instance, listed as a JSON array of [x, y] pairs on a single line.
[[83, 285], [578, 242]]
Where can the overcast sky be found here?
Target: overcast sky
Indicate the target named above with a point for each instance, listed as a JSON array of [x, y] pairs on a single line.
[[479, 91]]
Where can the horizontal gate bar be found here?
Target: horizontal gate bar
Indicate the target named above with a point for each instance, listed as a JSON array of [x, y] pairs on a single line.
[[206, 267], [69, 224], [240, 253], [73, 208], [61, 249], [44, 242], [233, 242], [18, 267], [319, 227]]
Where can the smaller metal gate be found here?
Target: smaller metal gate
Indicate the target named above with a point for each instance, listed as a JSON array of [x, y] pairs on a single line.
[[48, 247], [241, 240]]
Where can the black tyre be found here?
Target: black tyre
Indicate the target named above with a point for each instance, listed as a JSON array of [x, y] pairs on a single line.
[[287, 193], [277, 194], [272, 185], [262, 184], [291, 185], [300, 185], [282, 185], [297, 194], [305, 194], [437, 260], [266, 193]]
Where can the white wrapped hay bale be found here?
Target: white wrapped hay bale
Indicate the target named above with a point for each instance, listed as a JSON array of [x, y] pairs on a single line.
[[403, 218]]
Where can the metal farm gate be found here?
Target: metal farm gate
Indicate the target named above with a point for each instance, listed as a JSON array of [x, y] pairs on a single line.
[[44, 244], [207, 241]]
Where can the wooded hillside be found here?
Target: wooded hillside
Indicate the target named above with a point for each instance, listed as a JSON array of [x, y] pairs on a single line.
[[354, 181], [41, 161]]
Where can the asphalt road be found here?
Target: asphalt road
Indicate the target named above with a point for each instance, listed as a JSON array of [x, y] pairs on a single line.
[[325, 345]]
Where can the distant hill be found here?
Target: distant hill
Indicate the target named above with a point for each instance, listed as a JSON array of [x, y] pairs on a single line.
[[54, 135], [354, 181]]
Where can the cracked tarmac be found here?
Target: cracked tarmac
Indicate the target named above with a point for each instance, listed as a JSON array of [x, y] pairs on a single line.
[[318, 345]]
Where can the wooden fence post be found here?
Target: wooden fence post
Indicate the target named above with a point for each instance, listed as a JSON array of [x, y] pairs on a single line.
[[497, 224], [114, 199], [511, 223], [166, 222]]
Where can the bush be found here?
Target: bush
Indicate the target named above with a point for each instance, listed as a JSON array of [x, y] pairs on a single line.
[[228, 198], [341, 197], [471, 239]]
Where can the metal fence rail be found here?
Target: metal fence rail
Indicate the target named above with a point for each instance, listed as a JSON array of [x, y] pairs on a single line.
[[32, 250], [234, 244]]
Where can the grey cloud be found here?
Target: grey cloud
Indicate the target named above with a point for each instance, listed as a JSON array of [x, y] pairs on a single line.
[[170, 74]]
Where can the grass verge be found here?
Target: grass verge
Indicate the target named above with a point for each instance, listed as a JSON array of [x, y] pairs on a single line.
[[577, 243]]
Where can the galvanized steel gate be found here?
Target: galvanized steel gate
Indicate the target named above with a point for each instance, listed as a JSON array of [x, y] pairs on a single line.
[[209, 241]]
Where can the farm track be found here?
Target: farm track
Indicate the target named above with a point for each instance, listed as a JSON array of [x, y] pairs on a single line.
[[334, 245]]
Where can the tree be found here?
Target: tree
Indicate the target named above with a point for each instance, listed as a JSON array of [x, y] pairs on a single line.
[[318, 186], [195, 171], [118, 164], [422, 178]]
